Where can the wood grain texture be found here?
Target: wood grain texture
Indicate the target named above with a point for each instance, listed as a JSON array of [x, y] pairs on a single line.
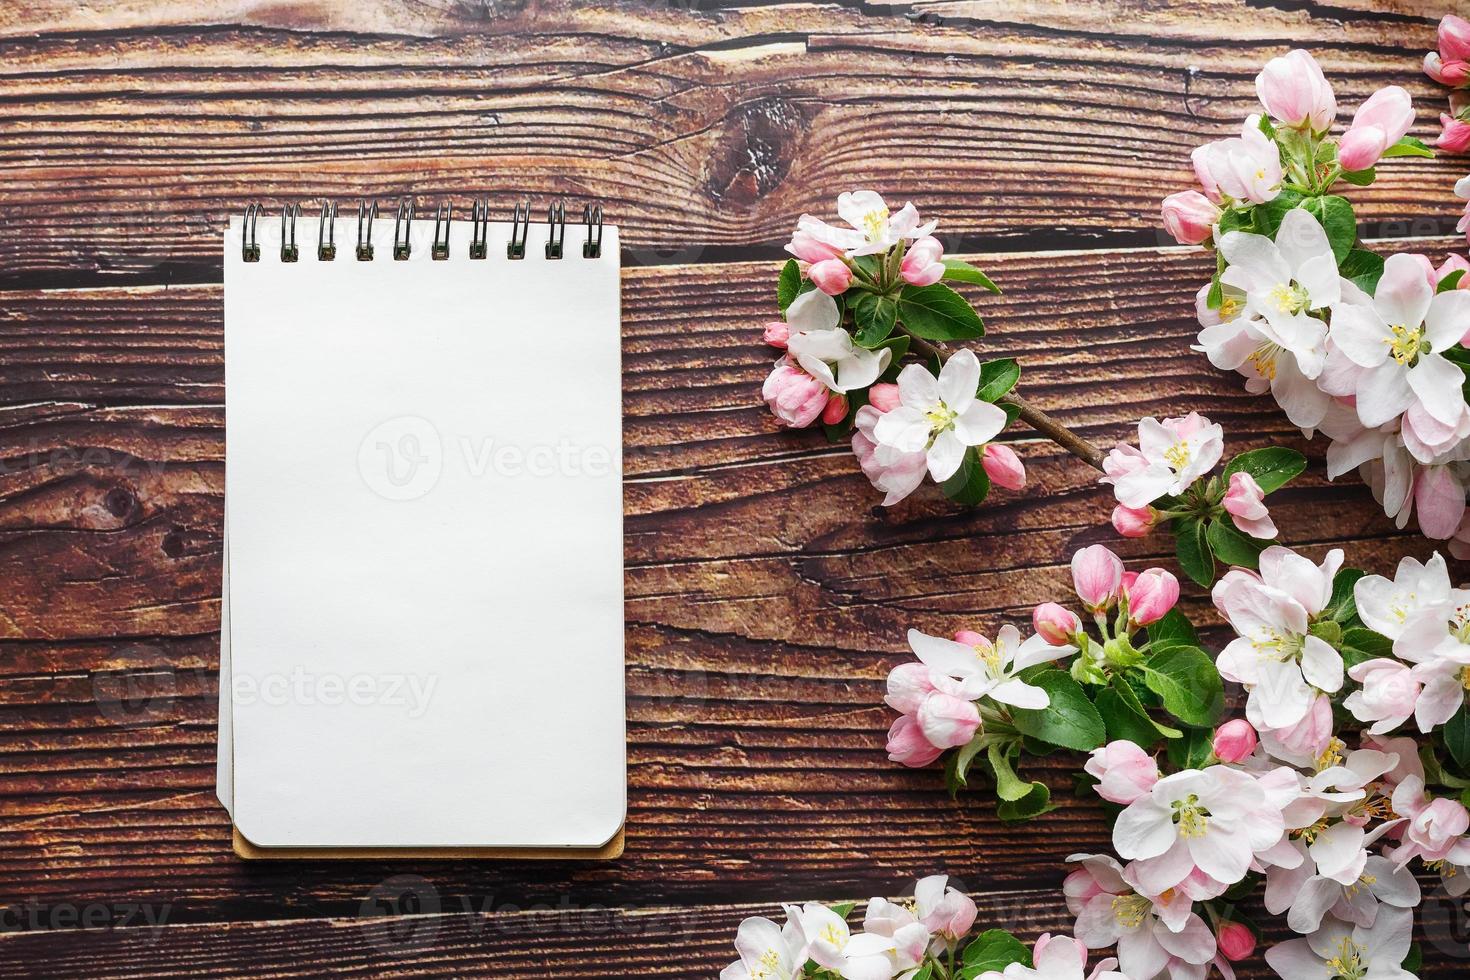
[[134, 130], [767, 595]]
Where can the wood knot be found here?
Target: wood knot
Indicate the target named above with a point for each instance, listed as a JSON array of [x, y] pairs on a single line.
[[174, 542], [120, 502], [753, 151]]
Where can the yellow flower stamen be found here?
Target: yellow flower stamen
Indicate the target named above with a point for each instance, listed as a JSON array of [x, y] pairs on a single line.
[[1348, 963], [1193, 819], [874, 223], [1178, 455], [1130, 910], [1263, 359], [1290, 298], [1406, 343]]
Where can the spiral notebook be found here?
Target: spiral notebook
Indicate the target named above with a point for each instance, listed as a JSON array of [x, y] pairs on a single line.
[[422, 620]]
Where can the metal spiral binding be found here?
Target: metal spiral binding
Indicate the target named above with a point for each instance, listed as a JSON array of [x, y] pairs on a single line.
[[367, 213], [556, 229], [592, 218], [519, 229], [289, 215], [402, 225], [365, 218], [479, 228], [444, 214], [326, 232], [249, 243]]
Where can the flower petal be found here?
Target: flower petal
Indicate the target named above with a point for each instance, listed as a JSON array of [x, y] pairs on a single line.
[[945, 455], [959, 379], [1439, 384], [979, 423]]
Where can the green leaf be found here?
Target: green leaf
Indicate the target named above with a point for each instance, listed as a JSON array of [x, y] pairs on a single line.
[[1336, 216], [1409, 146], [1186, 680], [1269, 215], [1070, 720], [1457, 737], [925, 973], [1342, 607], [788, 285], [843, 909], [1360, 178], [1008, 786], [1364, 268], [1013, 411], [1215, 298], [957, 270], [1192, 546], [1193, 751], [1174, 629], [995, 949], [970, 484], [1129, 686], [938, 313], [875, 317], [1237, 219], [1360, 644], [1231, 546], [1272, 467], [1033, 804], [997, 378], [1451, 281], [1123, 722]]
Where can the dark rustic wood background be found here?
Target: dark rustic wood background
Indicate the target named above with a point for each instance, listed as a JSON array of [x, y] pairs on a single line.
[[767, 593]]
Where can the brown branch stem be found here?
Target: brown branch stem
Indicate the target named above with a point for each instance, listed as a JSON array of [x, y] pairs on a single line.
[[1031, 415]]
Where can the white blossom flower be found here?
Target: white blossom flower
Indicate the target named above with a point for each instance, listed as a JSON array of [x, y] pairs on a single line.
[[874, 229], [940, 416], [1214, 820], [1170, 456], [826, 351], [768, 951], [1400, 341], [1275, 655], [1284, 283], [974, 672], [864, 956], [1341, 950]]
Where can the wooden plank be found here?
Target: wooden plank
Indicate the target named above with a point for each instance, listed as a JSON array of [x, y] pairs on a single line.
[[505, 938], [767, 595], [700, 128]]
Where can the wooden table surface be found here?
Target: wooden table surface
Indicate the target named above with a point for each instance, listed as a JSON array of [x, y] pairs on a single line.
[[767, 594]]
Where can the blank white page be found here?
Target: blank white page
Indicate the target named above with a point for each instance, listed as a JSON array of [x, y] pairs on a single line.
[[424, 487]]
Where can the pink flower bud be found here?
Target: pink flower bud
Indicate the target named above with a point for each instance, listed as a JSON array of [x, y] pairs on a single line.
[[1234, 740], [907, 744], [1097, 573], [922, 264], [1361, 148], [1454, 38], [1124, 772], [1455, 137], [884, 397], [1190, 217], [1236, 941], [1446, 71], [1134, 522], [1378, 124], [1244, 502], [1295, 92], [949, 916], [809, 249], [1128, 579], [1455, 263], [1152, 595], [1003, 467], [777, 333], [836, 409], [1056, 624], [948, 721], [831, 276], [971, 638], [795, 397]]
